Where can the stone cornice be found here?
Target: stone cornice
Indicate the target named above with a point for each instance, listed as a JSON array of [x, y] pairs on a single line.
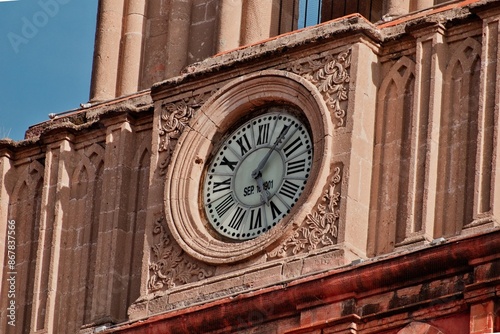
[[453, 258]]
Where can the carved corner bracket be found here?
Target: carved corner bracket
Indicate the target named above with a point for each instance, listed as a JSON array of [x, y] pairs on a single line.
[[320, 229], [170, 267], [330, 74]]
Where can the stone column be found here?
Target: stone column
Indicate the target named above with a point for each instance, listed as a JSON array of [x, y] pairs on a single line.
[[107, 50], [421, 4], [179, 24], [229, 24], [6, 166], [396, 7], [258, 21], [39, 316], [130, 65]]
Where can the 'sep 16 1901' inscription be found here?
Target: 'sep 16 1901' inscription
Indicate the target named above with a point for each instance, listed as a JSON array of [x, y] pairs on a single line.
[[250, 190]]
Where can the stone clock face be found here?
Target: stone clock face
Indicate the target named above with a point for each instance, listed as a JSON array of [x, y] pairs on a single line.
[[257, 175]]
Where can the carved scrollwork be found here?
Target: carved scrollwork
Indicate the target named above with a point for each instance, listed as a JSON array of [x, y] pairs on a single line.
[[331, 76], [320, 228], [173, 119], [170, 267], [175, 116]]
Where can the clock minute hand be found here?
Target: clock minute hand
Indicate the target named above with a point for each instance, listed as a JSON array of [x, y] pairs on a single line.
[[257, 171]]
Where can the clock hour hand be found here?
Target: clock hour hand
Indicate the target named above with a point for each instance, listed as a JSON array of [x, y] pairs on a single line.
[[258, 170], [264, 194]]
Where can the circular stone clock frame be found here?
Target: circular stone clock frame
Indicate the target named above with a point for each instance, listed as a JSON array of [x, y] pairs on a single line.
[[184, 210]]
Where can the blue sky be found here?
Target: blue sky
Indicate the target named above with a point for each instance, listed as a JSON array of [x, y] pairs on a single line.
[[46, 49]]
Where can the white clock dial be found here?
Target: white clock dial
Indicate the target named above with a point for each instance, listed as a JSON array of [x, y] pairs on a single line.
[[257, 175]]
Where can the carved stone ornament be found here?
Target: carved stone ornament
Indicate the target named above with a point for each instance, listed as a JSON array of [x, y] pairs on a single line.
[[175, 116], [187, 223], [320, 228], [169, 267], [331, 76]]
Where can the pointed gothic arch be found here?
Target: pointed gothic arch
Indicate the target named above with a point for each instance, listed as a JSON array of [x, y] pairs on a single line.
[[389, 209], [458, 139]]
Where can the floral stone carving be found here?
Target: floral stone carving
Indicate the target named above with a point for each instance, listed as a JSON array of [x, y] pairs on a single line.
[[174, 118], [170, 267], [331, 75], [320, 228]]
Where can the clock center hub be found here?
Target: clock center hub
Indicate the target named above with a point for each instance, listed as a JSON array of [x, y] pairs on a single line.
[[247, 189]]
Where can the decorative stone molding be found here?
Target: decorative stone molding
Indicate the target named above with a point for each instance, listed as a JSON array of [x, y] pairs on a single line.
[[173, 119], [331, 76], [170, 268], [222, 111], [175, 116], [320, 228]]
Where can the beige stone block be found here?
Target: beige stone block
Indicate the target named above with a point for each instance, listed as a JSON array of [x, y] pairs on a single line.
[[326, 260], [263, 277], [157, 305], [224, 286], [293, 269], [187, 295]]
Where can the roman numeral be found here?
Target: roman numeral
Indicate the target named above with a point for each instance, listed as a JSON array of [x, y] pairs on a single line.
[[289, 189], [224, 185], [255, 219], [263, 134], [225, 205], [292, 147], [244, 146], [274, 210], [238, 216], [230, 164], [296, 167]]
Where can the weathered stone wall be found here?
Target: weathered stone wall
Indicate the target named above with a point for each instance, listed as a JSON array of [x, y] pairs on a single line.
[[79, 204]]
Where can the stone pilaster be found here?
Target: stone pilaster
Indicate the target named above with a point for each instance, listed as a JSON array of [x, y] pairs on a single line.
[[362, 98], [61, 164], [487, 182], [230, 15], [430, 61], [113, 233]]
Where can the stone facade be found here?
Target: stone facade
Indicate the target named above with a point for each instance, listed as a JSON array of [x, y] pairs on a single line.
[[396, 230]]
